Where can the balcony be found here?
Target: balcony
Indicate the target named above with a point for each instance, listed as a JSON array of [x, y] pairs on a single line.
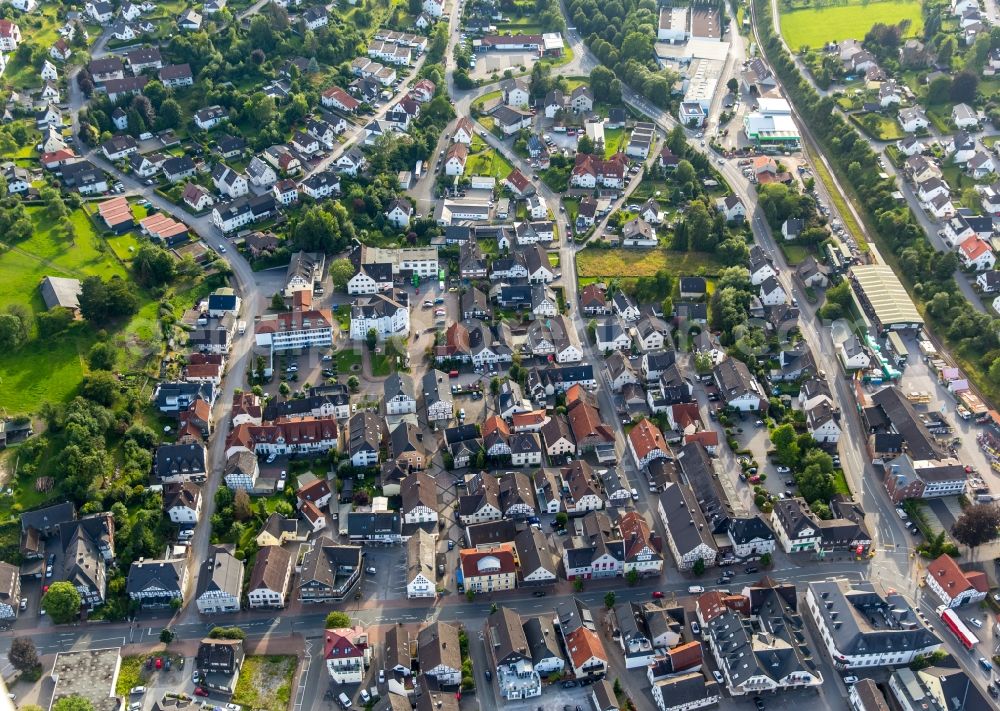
[[518, 686]]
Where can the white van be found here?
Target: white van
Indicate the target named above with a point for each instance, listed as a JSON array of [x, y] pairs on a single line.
[[344, 700], [695, 589]]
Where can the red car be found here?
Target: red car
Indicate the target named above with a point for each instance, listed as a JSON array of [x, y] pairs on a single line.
[[198, 691], [657, 594], [159, 663], [755, 479]]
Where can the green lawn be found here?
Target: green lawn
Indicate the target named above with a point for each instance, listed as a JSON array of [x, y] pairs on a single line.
[[381, 365], [489, 162], [613, 140], [51, 369], [813, 27], [610, 263], [265, 683], [124, 246], [346, 359], [794, 253], [478, 103]]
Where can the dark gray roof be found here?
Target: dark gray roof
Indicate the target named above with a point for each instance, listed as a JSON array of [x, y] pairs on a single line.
[[161, 574], [542, 639], [173, 459], [364, 432], [533, 552], [322, 562], [744, 530], [685, 522], [501, 531], [48, 517], [906, 421], [221, 572], [380, 523], [861, 621], [696, 465]]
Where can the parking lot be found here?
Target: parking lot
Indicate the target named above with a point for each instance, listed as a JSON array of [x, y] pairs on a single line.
[[488, 63]]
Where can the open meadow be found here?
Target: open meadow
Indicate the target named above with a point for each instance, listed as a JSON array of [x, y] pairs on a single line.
[[815, 26], [52, 368]]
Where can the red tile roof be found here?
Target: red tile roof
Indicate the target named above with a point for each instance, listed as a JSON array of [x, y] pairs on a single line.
[[645, 438], [583, 644]]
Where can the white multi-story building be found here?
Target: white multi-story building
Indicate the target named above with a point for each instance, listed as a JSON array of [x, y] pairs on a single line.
[[380, 312], [953, 586], [270, 578], [347, 654], [859, 627], [421, 579]]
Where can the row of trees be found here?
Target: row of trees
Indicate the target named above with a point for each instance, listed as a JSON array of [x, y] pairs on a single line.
[[970, 333]]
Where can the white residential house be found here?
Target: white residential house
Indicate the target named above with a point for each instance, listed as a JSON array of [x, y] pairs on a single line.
[[953, 586], [964, 116], [913, 119], [49, 71], [732, 207]]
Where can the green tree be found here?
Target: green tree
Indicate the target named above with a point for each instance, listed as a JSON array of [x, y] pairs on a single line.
[[353, 383], [62, 603], [153, 266], [562, 518], [170, 115], [102, 356], [341, 271], [100, 387], [699, 567], [371, 338], [227, 633], [977, 525], [23, 655], [242, 508], [786, 446], [765, 560], [578, 585], [12, 332], [609, 599], [72, 703], [337, 620], [167, 635], [632, 576], [278, 301]]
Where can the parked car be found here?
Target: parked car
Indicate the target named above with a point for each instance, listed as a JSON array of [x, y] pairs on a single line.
[[138, 690], [850, 680], [365, 696], [198, 691], [657, 594]]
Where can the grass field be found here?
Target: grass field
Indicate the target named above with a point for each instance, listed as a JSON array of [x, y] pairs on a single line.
[[814, 27], [266, 683], [51, 369], [611, 263], [613, 140], [489, 162]]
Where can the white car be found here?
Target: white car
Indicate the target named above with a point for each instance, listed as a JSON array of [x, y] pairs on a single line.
[[783, 470], [635, 494], [365, 696], [850, 680], [138, 690], [370, 570], [381, 676], [718, 677], [234, 707]]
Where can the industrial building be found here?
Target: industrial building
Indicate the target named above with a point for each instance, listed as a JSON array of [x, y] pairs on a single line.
[[883, 299], [771, 123]]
